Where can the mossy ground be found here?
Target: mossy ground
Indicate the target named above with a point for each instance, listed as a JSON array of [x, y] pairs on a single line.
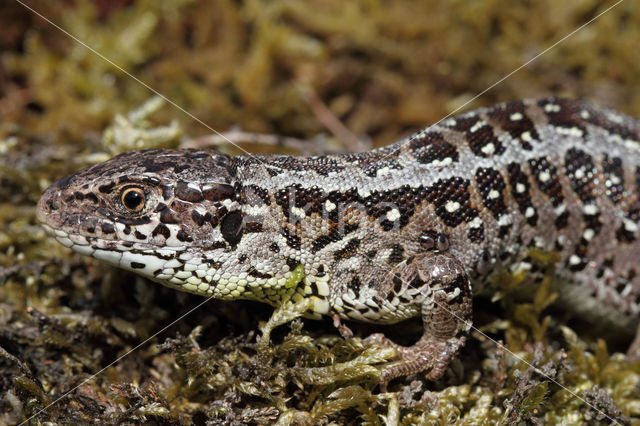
[[299, 69]]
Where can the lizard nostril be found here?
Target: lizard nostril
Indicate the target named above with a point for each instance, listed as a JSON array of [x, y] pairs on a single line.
[[53, 205]]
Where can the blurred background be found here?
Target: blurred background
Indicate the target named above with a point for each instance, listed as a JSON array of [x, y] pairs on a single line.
[[334, 75]]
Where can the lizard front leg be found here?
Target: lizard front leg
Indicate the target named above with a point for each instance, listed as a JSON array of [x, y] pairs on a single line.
[[438, 285]]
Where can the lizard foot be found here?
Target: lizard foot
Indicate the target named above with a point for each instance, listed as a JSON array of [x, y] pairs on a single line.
[[444, 297]]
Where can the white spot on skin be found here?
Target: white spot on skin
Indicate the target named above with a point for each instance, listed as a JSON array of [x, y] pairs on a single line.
[[579, 173], [516, 116], [574, 260], [584, 114], [479, 124], [520, 188], [560, 209], [615, 180], [475, 223], [393, 215], [630, 225], [488, 148], [443, 162], [572, 131], [629, 143], [299, 212], [530, 212], [615, 118], [561, 240], [505, 221], [588, 234], [456, 293], [520, 267], [591, 210], [526, 136], [329, 206], [544, 177], [450, 122], [493, 194], [551, 108], [383, 171], [452, 206]]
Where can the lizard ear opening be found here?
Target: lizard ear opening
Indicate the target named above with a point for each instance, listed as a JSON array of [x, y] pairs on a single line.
[[232, 227]]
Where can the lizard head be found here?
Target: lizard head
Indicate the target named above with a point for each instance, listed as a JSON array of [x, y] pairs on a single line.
[[175, 216]]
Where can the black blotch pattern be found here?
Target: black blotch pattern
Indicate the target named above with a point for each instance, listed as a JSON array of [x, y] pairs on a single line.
[[452, 190], [581, 172], [293, 240], [501, 115], [551, 186], [614, 178], [480, 138], [490, 181], [431, 146], [566, 117], [397, 254], [161, 229], [184, 236], [349, 250], [523, 199], [107, 228]]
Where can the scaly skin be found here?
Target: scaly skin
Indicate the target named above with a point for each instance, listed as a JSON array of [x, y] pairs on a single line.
[[386, 235]]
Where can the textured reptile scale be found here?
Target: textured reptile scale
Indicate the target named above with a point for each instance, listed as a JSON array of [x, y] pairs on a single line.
[[401, 231]]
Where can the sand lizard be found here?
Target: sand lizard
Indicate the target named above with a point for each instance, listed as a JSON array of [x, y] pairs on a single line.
[[405, 230]]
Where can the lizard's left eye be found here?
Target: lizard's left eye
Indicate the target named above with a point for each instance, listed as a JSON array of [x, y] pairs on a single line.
[[133, 199]]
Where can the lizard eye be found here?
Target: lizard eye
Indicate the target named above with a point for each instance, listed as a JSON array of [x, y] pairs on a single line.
[[133, 199]]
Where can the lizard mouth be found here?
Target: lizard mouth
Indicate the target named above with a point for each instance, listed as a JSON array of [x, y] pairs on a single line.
[[108, 250]]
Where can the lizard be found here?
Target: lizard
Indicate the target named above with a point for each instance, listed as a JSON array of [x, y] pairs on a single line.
[[410, 229]]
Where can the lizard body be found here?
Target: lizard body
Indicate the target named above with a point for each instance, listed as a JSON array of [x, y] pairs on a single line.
[[382, 236]]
